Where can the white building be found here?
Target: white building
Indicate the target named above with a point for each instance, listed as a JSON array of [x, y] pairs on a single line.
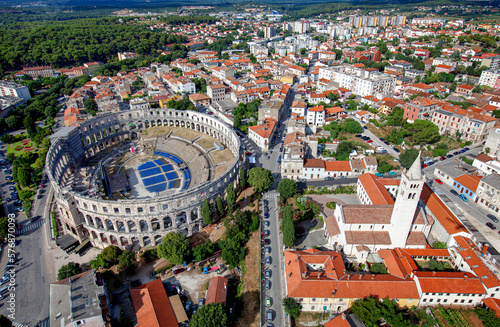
[[14, 89], [316, 116], [489, 77]]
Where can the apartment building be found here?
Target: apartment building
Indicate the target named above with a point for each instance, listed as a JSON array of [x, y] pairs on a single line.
[[489, 77], [470, 125], [361, 82], [216, 92], [419, 108], [262, 134], [488, 193], [294, 152], [223, 73], [316, 116], [40, 71], [13, 89], [299, 107], [271, 109], [493, 143]]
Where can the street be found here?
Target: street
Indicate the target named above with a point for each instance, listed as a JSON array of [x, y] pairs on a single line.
[[33, 274]]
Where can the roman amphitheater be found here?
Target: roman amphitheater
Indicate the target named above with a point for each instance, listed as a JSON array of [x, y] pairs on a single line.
[[129, 178]]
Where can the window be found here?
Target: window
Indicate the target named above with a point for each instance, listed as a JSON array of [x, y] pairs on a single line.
[[462, 301], [94, 207], [151, 209], [313, 299], [455, 301], [85, 205], [116, 210], [445, 300], [105, 209], [470, 301], [127, 210], [140, 210]]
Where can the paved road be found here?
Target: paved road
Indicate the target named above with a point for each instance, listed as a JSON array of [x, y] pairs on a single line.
[[277, 290], [34, 273], [472, 214]]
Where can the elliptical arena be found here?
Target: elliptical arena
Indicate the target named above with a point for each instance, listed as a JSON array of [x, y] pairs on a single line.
[[129, 178]]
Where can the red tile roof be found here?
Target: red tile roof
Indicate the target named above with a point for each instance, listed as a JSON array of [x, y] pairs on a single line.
[[376, 191], [468, 181], [217, 290], [441, 212], [152, 306], [492, 304]]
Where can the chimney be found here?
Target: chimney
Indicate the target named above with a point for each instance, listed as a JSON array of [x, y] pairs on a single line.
[[465, 276], [485, 249], [373, 276]]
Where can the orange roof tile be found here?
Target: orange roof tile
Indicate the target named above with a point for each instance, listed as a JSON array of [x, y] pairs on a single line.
[[377, 193], [217, 290], [152, 306], [338, 165], [468, 181], [492, 304]]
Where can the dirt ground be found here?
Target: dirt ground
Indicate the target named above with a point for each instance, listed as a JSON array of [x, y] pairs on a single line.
[[250, 317]]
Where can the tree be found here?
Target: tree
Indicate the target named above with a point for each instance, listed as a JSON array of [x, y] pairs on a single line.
[[206, 212], [202, 251], [128, 261], [90, 106], [23, 176], [407, 158], [288, 226], [343, 150], [233, 249], [99, 262], [439, 245], [367, 310], [260, 178], [243, 178], [423, 131], [111, 254], [68, 270], [378, 268], [4, 227], [210, 315], [384, 167], [292, 307], [287, 188], [220, 206], [175, 247], [352, 127], [433, 265], [230, 198]]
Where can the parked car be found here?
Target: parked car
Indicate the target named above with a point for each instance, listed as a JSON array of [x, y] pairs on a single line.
[[391, 173], [379, 174], [455, 153], [268, 260], [267, 241], [267, 223], [268, 284], [342, 177], [266, 215], [268, 250], [269, 315], [492, 218], [438, 181], [200, 302], [449, 156], [188, 306], [454, 192], [490, 225], [369, 141], [463, 197], [268, 302], [195, 307], [267, 232], [268, 273], [442, 158]]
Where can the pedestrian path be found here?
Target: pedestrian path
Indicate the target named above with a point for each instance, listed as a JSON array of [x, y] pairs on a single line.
[[30, 227]]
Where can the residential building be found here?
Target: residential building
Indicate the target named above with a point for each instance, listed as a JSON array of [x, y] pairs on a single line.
[[419, 108], [488, 193], [78, 301], [313, 169], [262, 134], [13, 89], [91, 67], [448, 171], [40, 71], [216, 92], [299, 107], [199, 99], [489, 77], [486, 164], [269, 32], [294, 152], [492, 62], [139, 103], [470, 125], [316, 116], [271, 109], [152, 305], [217, 290], [466, 185], [493, 143], [465, 89], [223, 73]]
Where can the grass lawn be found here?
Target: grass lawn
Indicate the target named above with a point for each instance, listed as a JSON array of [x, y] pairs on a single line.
[[20, 147]]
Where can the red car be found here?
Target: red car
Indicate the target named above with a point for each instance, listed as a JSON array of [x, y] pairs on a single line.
[[42, 186], [369, 141], [438, 181]]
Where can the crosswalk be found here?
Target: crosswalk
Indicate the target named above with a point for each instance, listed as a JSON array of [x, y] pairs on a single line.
[[30, 227], [43, 323]]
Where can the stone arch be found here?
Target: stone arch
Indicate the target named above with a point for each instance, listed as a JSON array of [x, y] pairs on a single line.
[[167, 222], [89, 220], [121, 225], [143, 225], [146, 240], [98, 223], [155, 224], [157, 239], [103, 238], [196, 228], [109, 225], [123, 241], [132, 226], [93, 235], [180, 218], [113, 240]]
